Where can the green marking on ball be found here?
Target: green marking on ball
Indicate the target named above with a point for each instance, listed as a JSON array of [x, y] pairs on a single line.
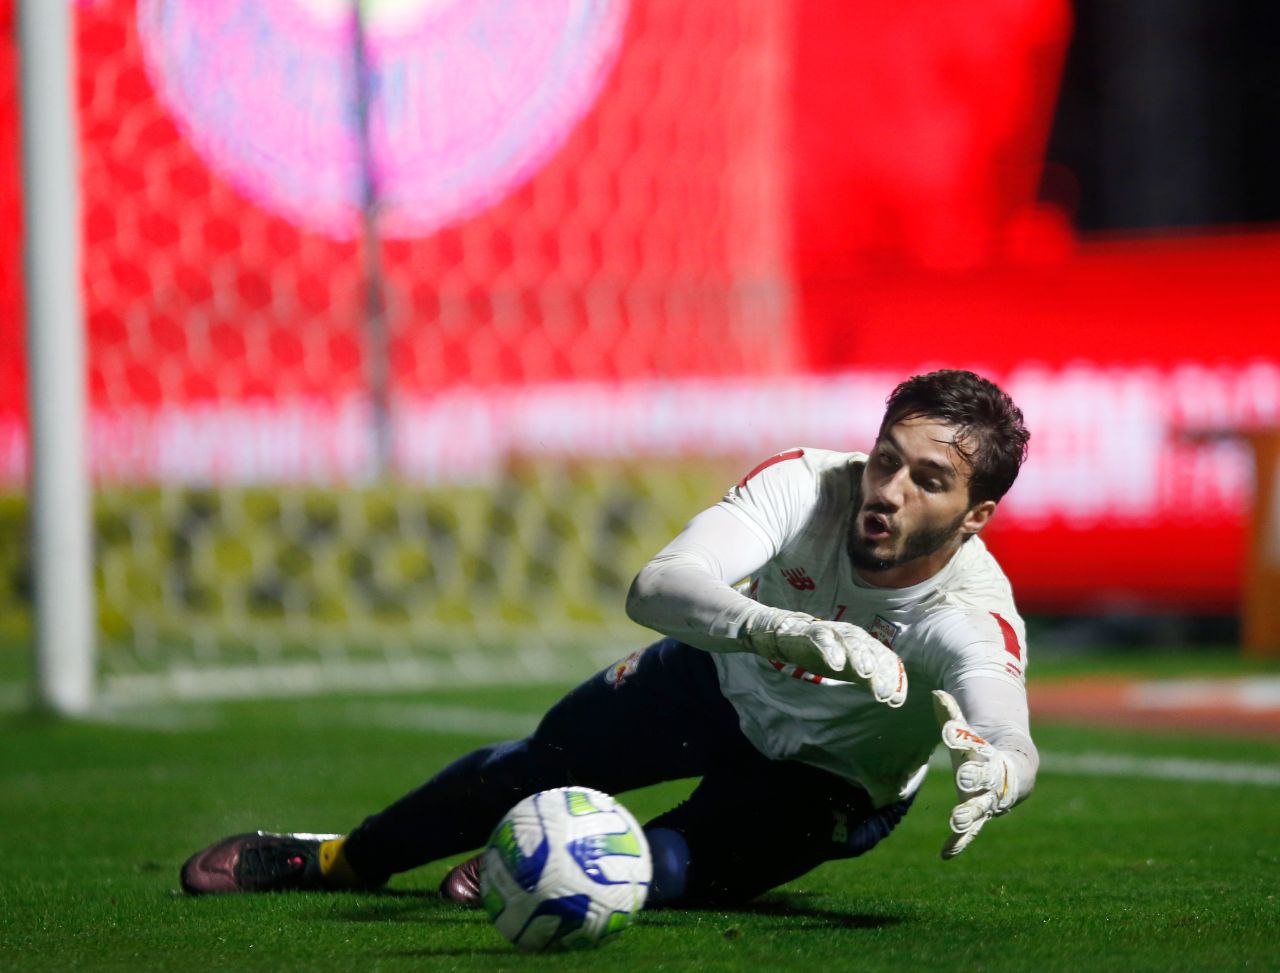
[[494, 903], [579, 803], [625, 843], [617, 922], [504, 842]]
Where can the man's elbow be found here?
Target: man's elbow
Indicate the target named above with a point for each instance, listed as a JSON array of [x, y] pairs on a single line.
[[1029, 770], [664, 588], [640, 596]]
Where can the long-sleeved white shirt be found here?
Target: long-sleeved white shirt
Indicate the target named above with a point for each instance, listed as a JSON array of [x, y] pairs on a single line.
[[785, 527]]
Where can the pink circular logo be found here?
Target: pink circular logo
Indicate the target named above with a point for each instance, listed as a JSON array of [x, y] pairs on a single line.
[[466, 98]]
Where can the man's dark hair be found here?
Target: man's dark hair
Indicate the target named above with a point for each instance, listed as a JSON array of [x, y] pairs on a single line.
[[990, 434]]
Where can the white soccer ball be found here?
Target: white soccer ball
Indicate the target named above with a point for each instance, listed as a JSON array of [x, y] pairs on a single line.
[[568, 867]]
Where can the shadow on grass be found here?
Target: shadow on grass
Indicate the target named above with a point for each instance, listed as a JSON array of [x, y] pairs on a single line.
[[771, 911], [405, 905], [421, 907], [790, 908]]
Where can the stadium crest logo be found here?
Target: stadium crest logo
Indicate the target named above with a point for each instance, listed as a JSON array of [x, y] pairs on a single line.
[[464, 100], [884, 630], [617, 673]]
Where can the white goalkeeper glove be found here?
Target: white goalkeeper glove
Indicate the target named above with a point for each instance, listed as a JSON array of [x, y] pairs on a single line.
[[986, 782], [834, 649]]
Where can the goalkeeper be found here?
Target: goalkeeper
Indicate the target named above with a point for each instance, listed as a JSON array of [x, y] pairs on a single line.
[[808, 700]]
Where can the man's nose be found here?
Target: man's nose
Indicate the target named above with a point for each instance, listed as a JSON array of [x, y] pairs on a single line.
[[890, 491]]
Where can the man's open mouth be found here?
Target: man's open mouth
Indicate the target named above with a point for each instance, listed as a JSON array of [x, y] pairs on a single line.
[[876, 527]]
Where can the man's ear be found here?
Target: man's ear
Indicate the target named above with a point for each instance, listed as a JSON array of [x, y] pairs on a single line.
[[977, 517]]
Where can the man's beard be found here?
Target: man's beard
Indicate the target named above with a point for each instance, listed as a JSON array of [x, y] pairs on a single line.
[[921, 543]]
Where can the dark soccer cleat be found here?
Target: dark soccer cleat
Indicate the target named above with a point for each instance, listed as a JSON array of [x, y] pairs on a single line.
[[462, 883], [257, 862]]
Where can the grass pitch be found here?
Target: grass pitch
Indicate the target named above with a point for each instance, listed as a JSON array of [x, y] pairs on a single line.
[[1094, 872]]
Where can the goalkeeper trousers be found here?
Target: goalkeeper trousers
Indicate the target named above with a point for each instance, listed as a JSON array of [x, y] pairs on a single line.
[[750, 824]]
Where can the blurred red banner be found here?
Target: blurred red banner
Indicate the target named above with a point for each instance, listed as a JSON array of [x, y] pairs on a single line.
[[770, 214]]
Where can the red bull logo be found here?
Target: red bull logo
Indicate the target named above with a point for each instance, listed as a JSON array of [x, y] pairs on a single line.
[[617, 673]]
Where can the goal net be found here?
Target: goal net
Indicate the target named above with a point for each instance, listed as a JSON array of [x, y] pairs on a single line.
[[501, 229]]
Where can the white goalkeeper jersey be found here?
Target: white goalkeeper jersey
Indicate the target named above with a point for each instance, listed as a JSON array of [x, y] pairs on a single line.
[[957, 631]]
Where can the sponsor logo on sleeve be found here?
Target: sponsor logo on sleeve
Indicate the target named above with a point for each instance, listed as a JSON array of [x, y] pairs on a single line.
[[884, 631]]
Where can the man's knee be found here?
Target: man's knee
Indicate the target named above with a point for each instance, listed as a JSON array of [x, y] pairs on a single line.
[[670, 854], [874, 828], [531, 758], [701, 877]]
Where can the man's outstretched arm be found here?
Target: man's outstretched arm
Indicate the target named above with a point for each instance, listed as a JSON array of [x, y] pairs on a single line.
[[687, 592], [985, 729]]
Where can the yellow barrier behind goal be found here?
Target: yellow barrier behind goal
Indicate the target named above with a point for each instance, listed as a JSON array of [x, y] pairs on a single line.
[[360, 585]]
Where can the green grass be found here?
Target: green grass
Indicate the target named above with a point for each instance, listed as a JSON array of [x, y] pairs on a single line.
[[1201, 661], [1092, 873]]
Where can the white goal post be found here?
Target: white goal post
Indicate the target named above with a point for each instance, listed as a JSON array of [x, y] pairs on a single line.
[[211, 510], [59, 491]]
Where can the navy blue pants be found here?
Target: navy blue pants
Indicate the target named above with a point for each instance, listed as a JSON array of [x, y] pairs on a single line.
[[751, 824]]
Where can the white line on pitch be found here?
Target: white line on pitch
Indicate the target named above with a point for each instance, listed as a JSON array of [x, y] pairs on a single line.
[[504, 724], [1162, 768], [501, 724], [1184, 769], [167, 718], [431, 718], [1251, 693]]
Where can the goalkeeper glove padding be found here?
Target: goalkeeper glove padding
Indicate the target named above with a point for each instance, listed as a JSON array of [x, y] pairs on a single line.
[[985, 779], [834, 649]]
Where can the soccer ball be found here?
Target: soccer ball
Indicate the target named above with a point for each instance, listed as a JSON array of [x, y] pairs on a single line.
[[568, 867]]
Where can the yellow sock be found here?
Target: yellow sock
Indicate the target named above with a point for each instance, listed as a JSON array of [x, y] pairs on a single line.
[[334, 866]]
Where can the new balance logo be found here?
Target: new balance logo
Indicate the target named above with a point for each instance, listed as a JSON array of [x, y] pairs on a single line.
[[798, 579]]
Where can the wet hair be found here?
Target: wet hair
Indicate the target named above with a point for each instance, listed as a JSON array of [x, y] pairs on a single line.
[[990, 434]]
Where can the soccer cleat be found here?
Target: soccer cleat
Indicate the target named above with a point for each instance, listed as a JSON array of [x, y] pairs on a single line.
[[462, 883], [260, 862]]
